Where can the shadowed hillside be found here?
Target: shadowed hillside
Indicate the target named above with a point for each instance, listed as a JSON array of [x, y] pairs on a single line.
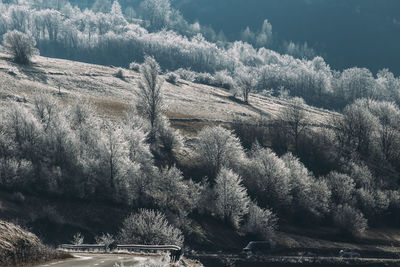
[[18, 247]]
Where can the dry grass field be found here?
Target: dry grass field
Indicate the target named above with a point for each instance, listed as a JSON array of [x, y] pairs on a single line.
[[190, 106]]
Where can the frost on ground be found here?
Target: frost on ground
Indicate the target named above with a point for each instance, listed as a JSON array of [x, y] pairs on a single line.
[[112, 96], [164, 261]]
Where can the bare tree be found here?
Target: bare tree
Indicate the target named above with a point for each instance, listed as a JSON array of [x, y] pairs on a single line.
[[20, 45], [293, 117]]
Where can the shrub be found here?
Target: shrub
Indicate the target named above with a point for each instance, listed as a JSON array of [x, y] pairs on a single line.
[[164, 261], [224, 80], [349, 220], [261, 222], [120, 74], [186, 75], [149, 227], [168, 137], [172, 78], [77, 239], [204, 78], [20, 45], [105, 239], [134, 66]]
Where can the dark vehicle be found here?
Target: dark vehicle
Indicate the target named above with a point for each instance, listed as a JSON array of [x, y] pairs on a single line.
[[257, 247], [348, 254]]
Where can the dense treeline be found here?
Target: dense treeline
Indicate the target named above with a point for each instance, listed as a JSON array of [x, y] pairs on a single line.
[[159, 30], [353, 165], [69, 152], [345, 175]]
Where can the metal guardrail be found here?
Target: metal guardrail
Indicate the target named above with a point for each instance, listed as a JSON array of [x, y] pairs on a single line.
[[175, 251], [149, 247], [85, 247]]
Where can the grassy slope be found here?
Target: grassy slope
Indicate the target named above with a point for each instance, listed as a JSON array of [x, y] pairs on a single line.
[[190, 107]]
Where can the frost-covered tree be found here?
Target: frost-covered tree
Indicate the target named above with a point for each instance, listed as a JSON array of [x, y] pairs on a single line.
[[114, 156], [388, 128], [247, 35], [308, 194], [128, 162], [20, 45], [356, 83], [157, 12], [232, 201], [45, 108], [245, 83], [18, 16], [267, 178], [264, 38], [354, 131], [25, 132], [117, 17], [149, 227], [150, 97], [350, 220], [361, 175], [167, 137], [299, 51], [342, 187], [261, 222], [103, 6], [218, 147], [171, 192]]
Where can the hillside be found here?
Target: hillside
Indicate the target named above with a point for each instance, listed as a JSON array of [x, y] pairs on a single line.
[[189, 105], [56, 217]]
